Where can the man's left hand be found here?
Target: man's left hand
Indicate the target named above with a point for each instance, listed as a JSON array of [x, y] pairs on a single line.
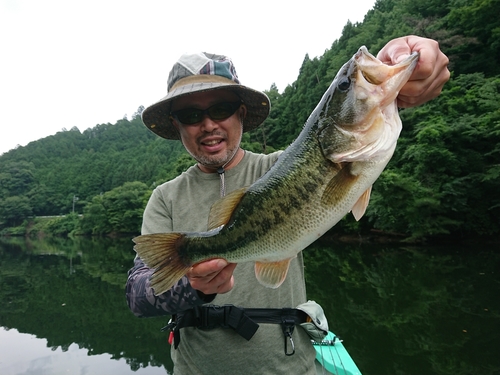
[[429, 76]]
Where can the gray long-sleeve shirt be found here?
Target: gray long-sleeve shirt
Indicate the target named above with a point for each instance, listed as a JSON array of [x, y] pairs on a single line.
[[183, 204]]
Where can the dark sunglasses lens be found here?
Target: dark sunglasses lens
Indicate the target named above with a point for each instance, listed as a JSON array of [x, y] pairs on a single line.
[[189, 116], [220, 111]]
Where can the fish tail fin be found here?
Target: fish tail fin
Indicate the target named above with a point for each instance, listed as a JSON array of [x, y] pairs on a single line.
[[272, 274], [161, 252]]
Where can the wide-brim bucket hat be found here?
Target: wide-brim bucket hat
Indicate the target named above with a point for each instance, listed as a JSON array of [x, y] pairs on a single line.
[[204, 72]]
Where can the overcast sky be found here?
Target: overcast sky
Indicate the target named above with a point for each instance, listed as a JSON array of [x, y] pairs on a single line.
[[67, 63]]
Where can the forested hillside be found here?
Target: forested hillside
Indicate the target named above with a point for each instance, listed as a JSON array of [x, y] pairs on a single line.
[[443, 180]]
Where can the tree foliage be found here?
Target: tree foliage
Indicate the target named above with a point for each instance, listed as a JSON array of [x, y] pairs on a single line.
[[443, 179], [117, 211], [449, 157]]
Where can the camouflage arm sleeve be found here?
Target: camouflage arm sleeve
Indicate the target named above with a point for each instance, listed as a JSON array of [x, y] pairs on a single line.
[[142, 301]]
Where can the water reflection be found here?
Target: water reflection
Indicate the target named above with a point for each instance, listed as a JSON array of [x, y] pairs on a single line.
[[73, 292], [407, 310], [401, 310], [26, 354]]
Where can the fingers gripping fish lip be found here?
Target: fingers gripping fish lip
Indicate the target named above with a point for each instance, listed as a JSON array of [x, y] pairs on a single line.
[[390, 78], [377, 70]]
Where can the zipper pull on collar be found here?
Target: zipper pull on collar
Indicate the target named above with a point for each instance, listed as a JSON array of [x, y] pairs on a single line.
[[221, 171]]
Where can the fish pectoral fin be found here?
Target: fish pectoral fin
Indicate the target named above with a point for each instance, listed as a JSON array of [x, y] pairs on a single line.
[[359, 208], [338, 186], [221, 211], [160, 252], [272, 274]]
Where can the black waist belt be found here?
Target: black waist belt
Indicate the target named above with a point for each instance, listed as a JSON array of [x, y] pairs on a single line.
[[244, 321]]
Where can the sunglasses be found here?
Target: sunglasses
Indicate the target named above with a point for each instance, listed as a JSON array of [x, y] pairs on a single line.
[[219, 111]]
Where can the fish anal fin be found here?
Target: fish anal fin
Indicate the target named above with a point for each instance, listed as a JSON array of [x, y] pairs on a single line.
[[161, 252], [359, 208], [221, 211], [272, 274], [338, 186]]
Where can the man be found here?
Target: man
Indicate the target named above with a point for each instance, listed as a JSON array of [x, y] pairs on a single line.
[[208, 110]]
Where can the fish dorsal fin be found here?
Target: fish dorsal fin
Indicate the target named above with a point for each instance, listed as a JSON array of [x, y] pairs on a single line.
[[221, 211], [272, 274], [359, 208], [338, 186]]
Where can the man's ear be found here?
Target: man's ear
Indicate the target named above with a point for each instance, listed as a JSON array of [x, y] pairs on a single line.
[[174, 123], [243, 112]]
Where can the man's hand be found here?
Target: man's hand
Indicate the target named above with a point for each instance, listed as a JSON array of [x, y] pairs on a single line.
[[212, 276], [429, 76]]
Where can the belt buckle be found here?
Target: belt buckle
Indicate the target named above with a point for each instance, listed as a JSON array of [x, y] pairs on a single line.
[[213, 316]]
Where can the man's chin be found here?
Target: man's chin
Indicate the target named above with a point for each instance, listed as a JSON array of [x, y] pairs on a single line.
[[211, 162]]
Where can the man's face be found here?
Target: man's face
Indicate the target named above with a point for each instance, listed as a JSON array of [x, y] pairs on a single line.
[[211, 142]]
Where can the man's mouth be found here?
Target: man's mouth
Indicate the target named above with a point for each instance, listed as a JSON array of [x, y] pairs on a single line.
[[212, 142]]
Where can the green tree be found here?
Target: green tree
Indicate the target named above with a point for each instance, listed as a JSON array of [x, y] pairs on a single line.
[[445, 170], [479, 23], [14, 210], [444, 175], [119, 210], [16, 178]]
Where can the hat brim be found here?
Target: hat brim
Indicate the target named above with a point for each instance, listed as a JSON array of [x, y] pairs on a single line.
[[157, 116]]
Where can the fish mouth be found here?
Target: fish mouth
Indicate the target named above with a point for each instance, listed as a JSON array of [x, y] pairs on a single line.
[[391, 78], [366, 124]]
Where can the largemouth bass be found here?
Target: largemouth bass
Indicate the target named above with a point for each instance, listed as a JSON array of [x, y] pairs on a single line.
[[324, 174]]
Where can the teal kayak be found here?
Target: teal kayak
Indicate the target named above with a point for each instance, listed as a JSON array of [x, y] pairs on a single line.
[[333, 357]]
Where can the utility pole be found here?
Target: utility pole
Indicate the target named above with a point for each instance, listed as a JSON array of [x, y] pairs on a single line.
[[75, 198]]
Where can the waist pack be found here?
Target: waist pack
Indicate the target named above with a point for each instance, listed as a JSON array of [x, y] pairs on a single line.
[[244, 321], [316, 325]]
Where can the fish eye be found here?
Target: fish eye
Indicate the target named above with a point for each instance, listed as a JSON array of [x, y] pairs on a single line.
[[344, 84]]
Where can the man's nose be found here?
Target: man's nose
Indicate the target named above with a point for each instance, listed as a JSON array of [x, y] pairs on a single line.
[[207, 124]]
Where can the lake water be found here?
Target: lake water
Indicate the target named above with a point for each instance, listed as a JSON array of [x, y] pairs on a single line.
[[400, 309]]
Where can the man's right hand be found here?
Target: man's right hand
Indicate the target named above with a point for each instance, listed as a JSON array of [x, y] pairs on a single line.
[[214, 276]]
